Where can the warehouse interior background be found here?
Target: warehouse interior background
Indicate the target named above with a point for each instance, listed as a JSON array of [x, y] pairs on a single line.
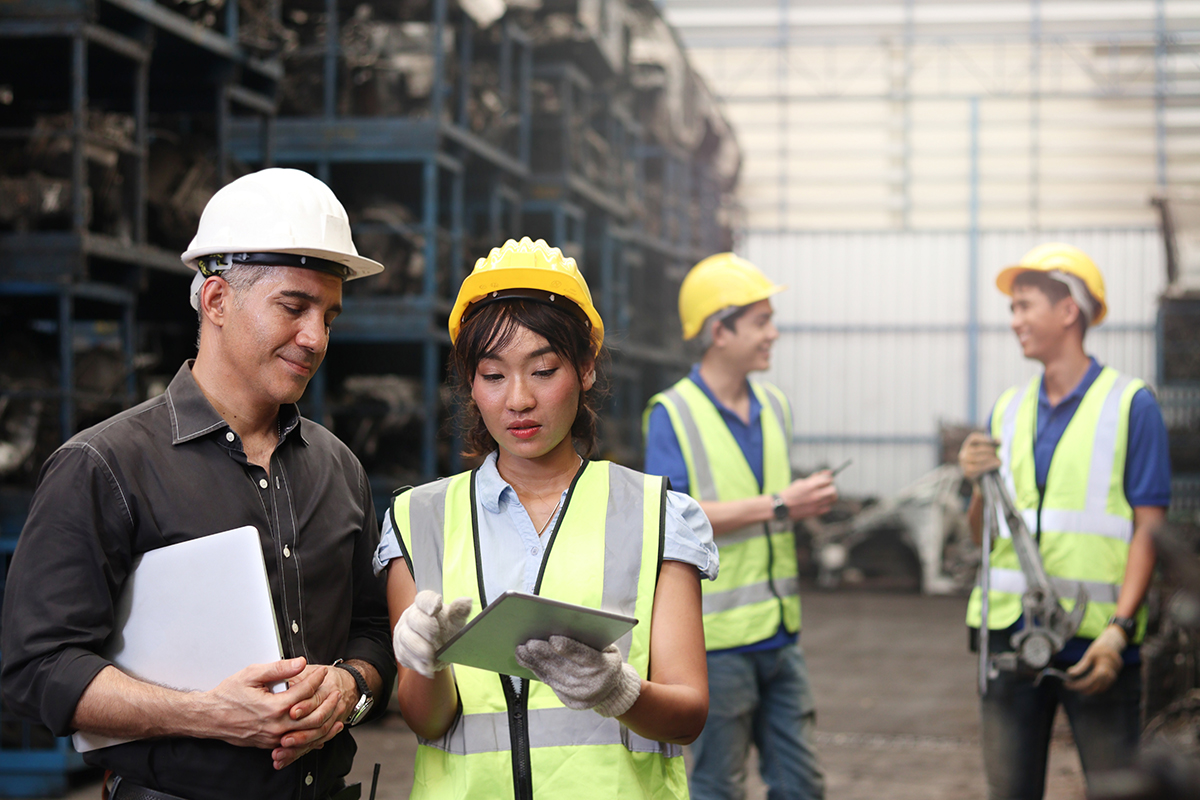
[[883, 158]]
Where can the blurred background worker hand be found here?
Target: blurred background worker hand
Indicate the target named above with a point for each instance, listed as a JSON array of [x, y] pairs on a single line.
[[424, 627], [1101, 663], [811, 496], [582, 676], [977, 456]]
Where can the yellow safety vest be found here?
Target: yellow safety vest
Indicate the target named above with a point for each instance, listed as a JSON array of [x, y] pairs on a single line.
[[758, 587], [605, 552], [1083, 523]]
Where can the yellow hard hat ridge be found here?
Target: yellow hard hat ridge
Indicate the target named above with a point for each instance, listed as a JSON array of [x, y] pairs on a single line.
[[718, 282], [526, 264], [1056, 256]]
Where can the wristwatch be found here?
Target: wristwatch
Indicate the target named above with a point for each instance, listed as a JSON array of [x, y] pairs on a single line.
[[1126, 624], [781, 509], [365, 698]]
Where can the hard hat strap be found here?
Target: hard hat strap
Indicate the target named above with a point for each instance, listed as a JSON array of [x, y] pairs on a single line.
[[1079, 292], [536, 295], [219, 262]]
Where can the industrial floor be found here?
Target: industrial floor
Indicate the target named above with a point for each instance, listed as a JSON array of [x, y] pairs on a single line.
[[897, 713]]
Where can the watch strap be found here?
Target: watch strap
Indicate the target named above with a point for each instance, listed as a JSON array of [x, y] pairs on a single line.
[[779, 509], [359, 680], [1126, 624]]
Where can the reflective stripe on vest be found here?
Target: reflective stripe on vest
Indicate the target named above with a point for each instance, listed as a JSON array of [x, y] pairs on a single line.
[[1085, 524], [548, 727], [757, 588], [437, 527]]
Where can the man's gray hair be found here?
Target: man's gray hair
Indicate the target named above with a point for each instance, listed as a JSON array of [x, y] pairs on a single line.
[[240, 277]]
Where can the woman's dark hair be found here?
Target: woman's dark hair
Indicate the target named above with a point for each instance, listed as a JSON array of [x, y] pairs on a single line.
[[489, 330]]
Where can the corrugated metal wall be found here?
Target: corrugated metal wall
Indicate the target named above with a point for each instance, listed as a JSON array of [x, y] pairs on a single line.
[[879, 343]]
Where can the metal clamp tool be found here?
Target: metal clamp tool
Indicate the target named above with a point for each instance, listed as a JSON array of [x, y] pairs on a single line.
[[1048, 625]]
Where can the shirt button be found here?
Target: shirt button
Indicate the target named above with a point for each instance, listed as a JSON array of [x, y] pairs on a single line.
[[295, 627], [287, 551], [308, 779], [229, 437], [533, 551], [263, 483]]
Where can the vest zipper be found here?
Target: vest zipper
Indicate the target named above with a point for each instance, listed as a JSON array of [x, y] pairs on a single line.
[[518, 732]]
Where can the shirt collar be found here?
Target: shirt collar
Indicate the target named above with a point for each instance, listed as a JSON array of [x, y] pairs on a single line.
[[755, 406], [192, 416], [1076, 394], [489, 486]]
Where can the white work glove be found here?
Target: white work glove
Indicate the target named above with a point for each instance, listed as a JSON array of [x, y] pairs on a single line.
[[1100, 664], [424, 627], [977, 455], [582, 676]]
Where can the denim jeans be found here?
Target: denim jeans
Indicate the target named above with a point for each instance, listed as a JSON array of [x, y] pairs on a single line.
[[1018, 718], [762, 697]]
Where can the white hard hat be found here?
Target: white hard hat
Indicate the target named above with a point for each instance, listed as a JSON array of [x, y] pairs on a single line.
[[276, 217]]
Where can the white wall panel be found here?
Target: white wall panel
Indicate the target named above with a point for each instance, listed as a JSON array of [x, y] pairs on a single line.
[[874, 348]]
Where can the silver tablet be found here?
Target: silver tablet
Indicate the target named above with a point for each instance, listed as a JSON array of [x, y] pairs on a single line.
[[490, 640]]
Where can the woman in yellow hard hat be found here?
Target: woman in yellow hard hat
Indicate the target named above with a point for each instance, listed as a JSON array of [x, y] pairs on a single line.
[[538, 517]]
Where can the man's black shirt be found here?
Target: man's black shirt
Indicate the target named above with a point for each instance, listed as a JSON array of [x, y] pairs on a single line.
[[164, 472]]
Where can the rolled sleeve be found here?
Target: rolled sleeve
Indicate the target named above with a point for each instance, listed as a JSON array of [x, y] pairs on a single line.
[[370, 631], [689, 535], [389, 546], [78, 531]]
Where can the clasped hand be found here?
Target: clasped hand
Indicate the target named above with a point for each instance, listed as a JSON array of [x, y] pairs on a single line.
[[289, 723]]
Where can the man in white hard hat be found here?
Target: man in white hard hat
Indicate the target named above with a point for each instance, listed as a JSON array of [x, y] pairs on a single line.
[[222, 448], [1083, 454], [725, 440]]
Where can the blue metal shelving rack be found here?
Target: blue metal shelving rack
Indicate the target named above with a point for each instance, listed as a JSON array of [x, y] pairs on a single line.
[[78, 51], [444, 148]]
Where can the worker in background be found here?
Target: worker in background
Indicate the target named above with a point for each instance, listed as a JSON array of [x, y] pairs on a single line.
[[1083, 453], [725, 440], [223, 447], [537, 517]]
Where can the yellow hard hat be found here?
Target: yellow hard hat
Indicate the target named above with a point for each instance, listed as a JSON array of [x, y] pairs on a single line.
[[1063, 258], [720, 281], [542, 270]]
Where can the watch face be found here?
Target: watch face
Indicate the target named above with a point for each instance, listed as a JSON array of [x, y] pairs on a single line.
[[361, 709]]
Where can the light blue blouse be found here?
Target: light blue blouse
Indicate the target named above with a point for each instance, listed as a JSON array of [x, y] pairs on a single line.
[[512, 551]]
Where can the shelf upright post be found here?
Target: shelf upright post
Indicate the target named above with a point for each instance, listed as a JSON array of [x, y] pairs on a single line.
[[79, 108], [466, 43], [141, 121], [525, 88], [129, 345], [231, 22], [438, 99], [66, 357], [506, 67], [607, 270], [329, 96], [457, 228]]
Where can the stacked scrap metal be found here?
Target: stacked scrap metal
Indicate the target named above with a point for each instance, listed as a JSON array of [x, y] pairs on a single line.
[[386, 68], [258, 26]]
